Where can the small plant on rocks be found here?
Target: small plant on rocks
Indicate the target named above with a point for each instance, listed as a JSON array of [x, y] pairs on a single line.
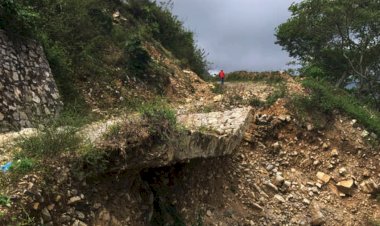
[[23, 165], [256, 102], [218, 88], [280, 92], [5, 200], [50, 141]]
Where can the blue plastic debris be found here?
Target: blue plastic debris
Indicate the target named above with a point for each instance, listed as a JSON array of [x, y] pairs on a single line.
[[6, 167]]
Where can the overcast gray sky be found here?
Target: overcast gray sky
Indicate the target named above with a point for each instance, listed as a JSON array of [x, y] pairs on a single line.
[[237, 34]]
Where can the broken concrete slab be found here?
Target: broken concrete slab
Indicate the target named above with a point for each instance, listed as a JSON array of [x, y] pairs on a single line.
[[202, 135], [212, 134]]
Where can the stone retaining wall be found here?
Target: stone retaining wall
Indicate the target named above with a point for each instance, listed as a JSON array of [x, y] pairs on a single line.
[[28, 92]]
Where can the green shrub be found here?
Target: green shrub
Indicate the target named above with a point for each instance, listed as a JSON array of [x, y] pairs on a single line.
[[161, 119], [74, 115], [17, 18], [170, 32], [278, 93], [132, 104], [158, 110], [84, 44], [137, 57], [208, 109], [50, 141], [91, 161], [256, 102], [23, 165], [217, 88], [313, 71], [324, 97], [308, 108]]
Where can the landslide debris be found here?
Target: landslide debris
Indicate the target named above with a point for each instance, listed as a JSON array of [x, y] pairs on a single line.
[[284, 172]]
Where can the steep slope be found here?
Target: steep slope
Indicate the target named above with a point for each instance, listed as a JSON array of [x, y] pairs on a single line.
[[107, 54], [167, 148]]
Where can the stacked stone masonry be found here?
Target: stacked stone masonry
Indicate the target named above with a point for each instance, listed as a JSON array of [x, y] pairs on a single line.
[[28, 92]]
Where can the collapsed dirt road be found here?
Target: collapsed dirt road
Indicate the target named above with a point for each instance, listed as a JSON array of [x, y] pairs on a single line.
[[285, 172]]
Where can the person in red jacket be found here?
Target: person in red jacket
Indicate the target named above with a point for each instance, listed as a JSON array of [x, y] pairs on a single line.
[[221, 76]]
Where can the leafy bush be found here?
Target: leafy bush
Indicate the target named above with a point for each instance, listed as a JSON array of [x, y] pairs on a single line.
[[74, 115], [137, 57], [373, 222], [113, 131], [17, 18], [313, 71], [324, 97], [307, 108], [158, 110]]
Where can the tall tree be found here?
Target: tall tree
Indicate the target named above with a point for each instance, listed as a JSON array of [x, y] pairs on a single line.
[[341, 37]]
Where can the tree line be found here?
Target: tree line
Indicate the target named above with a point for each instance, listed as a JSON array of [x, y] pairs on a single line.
[[337, 40]]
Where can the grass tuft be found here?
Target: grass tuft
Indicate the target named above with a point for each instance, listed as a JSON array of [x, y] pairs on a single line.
[[49, 141], [218, 88], [256, 102]]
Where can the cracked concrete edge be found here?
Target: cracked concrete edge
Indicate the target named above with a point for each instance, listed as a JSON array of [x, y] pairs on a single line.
[[199, 144]]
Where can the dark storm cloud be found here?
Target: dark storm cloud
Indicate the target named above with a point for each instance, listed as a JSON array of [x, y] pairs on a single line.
[[237, 34]]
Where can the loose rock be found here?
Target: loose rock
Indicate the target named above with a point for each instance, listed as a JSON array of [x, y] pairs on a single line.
[[324, 178], [346, 186], [369, 187], [73, 200], [279, 198], [317, 217]]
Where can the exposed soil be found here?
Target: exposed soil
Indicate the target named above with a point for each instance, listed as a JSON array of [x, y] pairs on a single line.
[[271, 180]]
